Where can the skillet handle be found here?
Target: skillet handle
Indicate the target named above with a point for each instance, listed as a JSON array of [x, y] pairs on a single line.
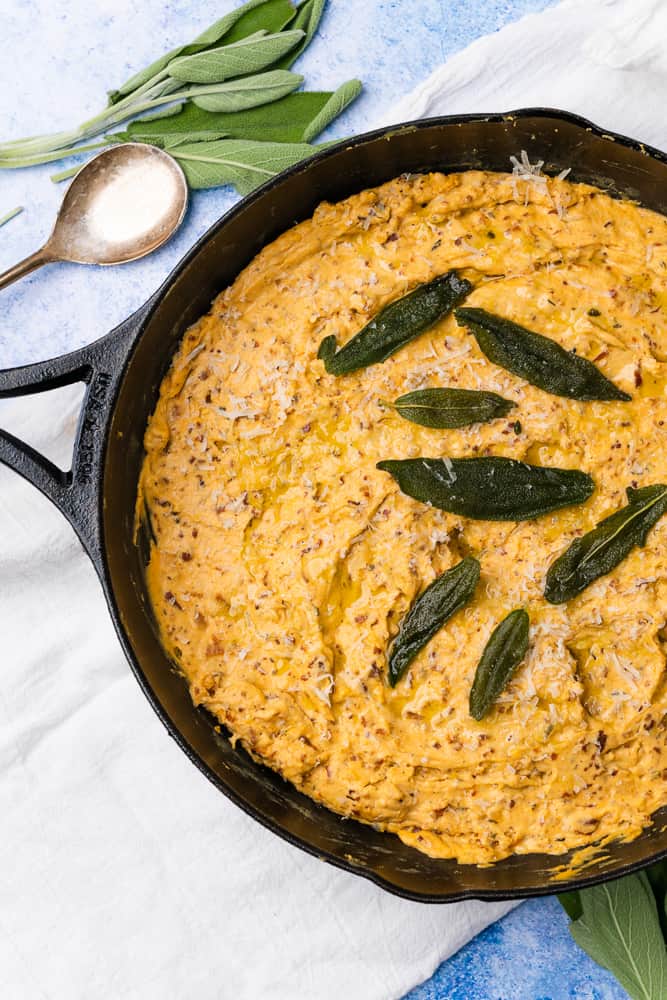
[[78, 492]]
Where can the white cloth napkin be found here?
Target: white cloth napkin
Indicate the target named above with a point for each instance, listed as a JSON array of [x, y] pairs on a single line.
[[123, 873]]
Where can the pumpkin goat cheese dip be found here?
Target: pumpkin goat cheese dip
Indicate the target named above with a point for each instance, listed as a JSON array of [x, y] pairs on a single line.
[[283, 560]]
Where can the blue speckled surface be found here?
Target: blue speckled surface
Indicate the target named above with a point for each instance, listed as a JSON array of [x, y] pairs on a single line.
[[529, 955], [58, 60]]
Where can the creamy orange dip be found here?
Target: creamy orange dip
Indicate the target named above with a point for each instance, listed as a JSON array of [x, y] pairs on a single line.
[[283, 560]]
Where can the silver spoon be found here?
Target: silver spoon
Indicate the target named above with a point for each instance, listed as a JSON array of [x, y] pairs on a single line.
[[123, 204]]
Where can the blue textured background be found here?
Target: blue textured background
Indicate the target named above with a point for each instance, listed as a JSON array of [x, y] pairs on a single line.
[[528, 955], [58, 60]]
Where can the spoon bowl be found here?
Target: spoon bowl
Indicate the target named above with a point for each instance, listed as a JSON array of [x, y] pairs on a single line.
[[123, 204]]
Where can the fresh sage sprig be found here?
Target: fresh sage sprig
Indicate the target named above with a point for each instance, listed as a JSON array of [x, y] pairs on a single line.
[[435, 606], [214, 34], [284, 121], [449, 408], [489, 489], [502, 655], [299, 117], [621, 925], [145, 91], [599, 551], [239, 64], [395, 325], [537, 359]]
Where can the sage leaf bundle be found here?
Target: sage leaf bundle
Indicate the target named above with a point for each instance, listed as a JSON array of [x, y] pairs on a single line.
[[238, 65], [502, 654], [450, 408], [537, 359], [298, 117], [599, 551], [432, 609], [489, 489], [395, 325]]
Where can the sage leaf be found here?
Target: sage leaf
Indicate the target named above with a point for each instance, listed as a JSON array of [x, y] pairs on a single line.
[[171, 142], [271, 16], [537, 359], [339, 100], [619, 928], [502, 655], [435, 606], [250, 55], [307, 18], [599, 551], [571, 903], [441, 408], [395, 325], [489, 488], [207, 38], [249, 91], [239, 162], [168, 111], [284, 120]]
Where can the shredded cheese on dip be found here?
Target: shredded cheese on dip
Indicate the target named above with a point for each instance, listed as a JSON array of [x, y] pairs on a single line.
[[283, 560]]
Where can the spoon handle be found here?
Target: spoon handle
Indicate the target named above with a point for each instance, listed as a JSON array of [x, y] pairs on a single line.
[[31, 263]]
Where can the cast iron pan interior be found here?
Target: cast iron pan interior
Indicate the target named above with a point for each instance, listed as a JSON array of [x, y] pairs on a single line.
[[614, 163]]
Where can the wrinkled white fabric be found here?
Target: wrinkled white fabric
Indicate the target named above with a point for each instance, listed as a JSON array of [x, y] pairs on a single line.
[[123, 872], [603, 59]]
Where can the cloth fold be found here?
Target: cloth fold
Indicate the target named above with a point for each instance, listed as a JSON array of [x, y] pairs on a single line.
[[603, 59], [123, 872]]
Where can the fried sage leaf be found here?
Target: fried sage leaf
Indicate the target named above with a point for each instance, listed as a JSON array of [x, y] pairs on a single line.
[[489, 489], [602, 549], [502, 655], [395, 325], [537, 359], [441, 599], [451, 407]]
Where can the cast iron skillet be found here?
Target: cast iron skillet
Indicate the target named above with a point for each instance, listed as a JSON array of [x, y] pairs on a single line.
[[123, 372]]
